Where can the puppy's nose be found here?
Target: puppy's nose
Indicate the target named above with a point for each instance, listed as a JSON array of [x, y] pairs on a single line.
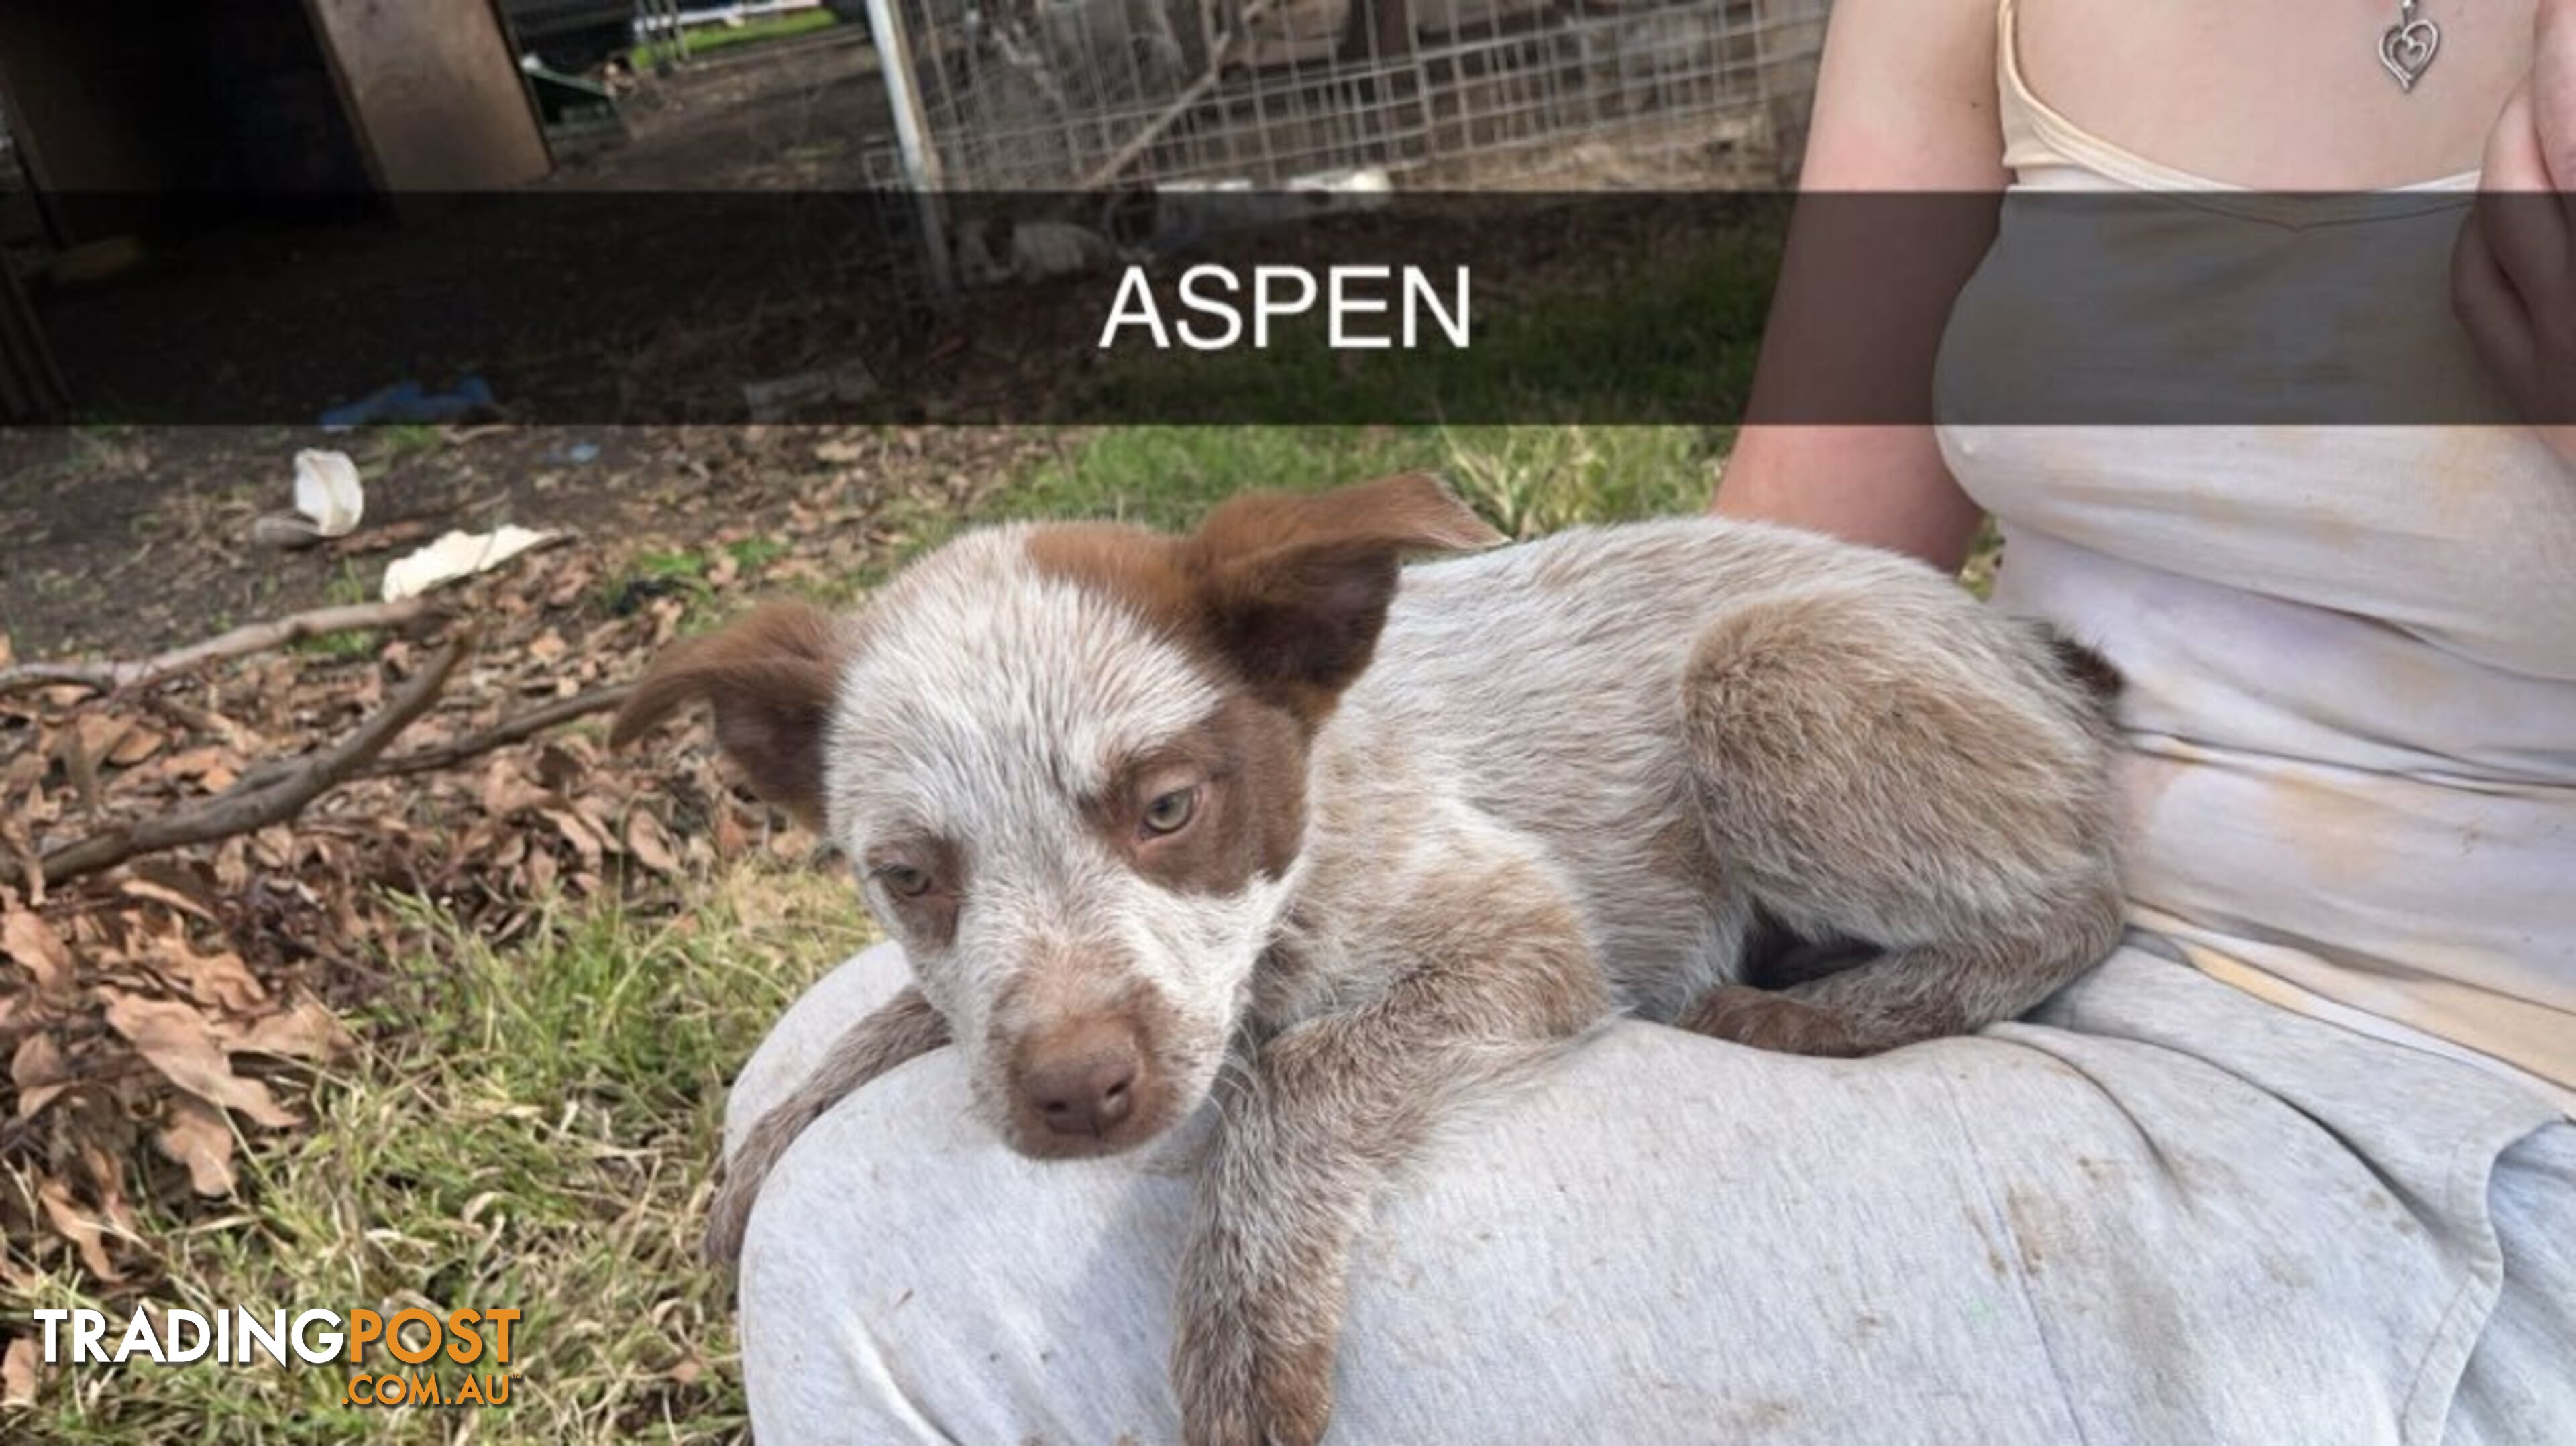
[[1084, 1081]]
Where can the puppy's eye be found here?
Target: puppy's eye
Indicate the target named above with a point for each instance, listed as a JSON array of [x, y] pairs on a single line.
[[903, 880], [1170, 812]]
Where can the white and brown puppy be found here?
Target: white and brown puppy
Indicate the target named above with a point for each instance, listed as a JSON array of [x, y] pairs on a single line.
[[1139, 807]]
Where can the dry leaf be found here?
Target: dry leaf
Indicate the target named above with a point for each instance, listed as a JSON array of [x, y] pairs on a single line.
[[179, 1042], [18, 1367], [646, 839], [33, 943], [163, 894], [579, 832], [97, 735], [39, 1072], [193, 763], [506, 789], [199, 1137], [8, 652], [138, 744], [79, 1227], [306, 1030], [731, 838], [220, 979]]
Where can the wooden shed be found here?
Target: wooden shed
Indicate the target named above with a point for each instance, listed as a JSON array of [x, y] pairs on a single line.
[[154, 117]]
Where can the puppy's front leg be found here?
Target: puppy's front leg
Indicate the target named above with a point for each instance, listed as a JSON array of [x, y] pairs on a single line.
[[902, 1027], [1327, 1108]]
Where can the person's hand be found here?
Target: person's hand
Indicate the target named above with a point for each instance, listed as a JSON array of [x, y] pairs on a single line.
[[2513, 274]]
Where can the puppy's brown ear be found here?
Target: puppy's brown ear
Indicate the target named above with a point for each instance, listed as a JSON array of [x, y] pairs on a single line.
[[1412, 511], [1295, 588], [772, 675]]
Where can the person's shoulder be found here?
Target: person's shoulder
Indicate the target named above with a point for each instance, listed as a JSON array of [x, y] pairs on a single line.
[[1907, 99]]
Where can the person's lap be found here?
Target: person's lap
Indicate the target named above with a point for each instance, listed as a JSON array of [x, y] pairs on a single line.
[[2169, 1212]]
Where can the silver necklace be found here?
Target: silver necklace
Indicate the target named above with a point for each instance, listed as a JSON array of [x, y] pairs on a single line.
[[2407, 47]]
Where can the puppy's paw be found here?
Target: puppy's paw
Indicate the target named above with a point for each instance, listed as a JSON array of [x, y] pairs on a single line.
[[1248, 1375], [1283, 1404], [1765, 1020]]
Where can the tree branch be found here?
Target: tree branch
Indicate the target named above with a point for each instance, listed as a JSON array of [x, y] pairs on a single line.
[[256, 805], [501, 734], [104, 676]]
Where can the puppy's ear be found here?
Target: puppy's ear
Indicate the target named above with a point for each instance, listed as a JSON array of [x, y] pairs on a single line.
[[1295, 588], [772, 675], [1408, 511]]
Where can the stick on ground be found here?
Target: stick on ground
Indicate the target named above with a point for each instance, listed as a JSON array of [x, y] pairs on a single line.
[[258, 803], [501, 734], [107, 675]]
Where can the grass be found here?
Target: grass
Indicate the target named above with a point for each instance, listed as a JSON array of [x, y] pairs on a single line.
[[705, 40], [347, 589], [1525, 480], [531, 1127]]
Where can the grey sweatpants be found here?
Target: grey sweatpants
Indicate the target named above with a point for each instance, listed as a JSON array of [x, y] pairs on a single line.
[[2159, 1211]]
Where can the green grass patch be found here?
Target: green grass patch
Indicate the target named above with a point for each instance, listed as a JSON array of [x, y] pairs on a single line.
[[530, 1127], [401, 439], [347, 589], [1526, 480], [754, 553], [707, 40]]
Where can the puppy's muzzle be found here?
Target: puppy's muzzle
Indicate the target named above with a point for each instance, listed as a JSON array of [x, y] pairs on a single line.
[[1083, 1080]]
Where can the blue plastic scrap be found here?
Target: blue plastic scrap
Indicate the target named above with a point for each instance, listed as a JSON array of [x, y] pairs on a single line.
[[405, 401]]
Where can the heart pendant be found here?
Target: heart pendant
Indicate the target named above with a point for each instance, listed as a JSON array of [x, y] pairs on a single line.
[[2407, 50]]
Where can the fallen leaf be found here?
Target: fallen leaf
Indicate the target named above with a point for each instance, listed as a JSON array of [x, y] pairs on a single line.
[[731, 838], [506, 789], [646, 839], [194, 762], [220, 978], [18, 1367], [163, 894], [33, 943], [79, 1227], [305, 1030], [97, 735], [7, 651], [199, 1137], [178, 1041], [138, 744], [579, 832], [107, 1179], [39, 1072]]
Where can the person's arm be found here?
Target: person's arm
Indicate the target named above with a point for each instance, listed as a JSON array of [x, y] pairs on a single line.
[[2513, 275], [1905, 102]]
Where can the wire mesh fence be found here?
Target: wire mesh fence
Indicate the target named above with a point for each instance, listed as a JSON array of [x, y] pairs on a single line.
[[1026, 95]]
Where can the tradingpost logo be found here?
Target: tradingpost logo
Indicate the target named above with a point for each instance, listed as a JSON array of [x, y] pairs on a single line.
[[408, 1357]]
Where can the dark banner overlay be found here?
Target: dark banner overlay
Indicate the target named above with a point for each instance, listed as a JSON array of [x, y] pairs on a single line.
[[1310, 307]]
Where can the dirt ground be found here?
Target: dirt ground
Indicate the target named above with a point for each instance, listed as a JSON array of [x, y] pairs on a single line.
[[131, 540], [800, 114]]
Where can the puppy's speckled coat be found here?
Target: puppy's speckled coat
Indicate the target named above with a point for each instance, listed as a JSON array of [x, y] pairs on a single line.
[[1140, 806]]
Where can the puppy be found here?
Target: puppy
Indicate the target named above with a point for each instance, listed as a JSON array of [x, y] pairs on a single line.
[[1141, 807]]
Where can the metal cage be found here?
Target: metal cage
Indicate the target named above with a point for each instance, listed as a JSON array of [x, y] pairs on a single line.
[[1054, 95]]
